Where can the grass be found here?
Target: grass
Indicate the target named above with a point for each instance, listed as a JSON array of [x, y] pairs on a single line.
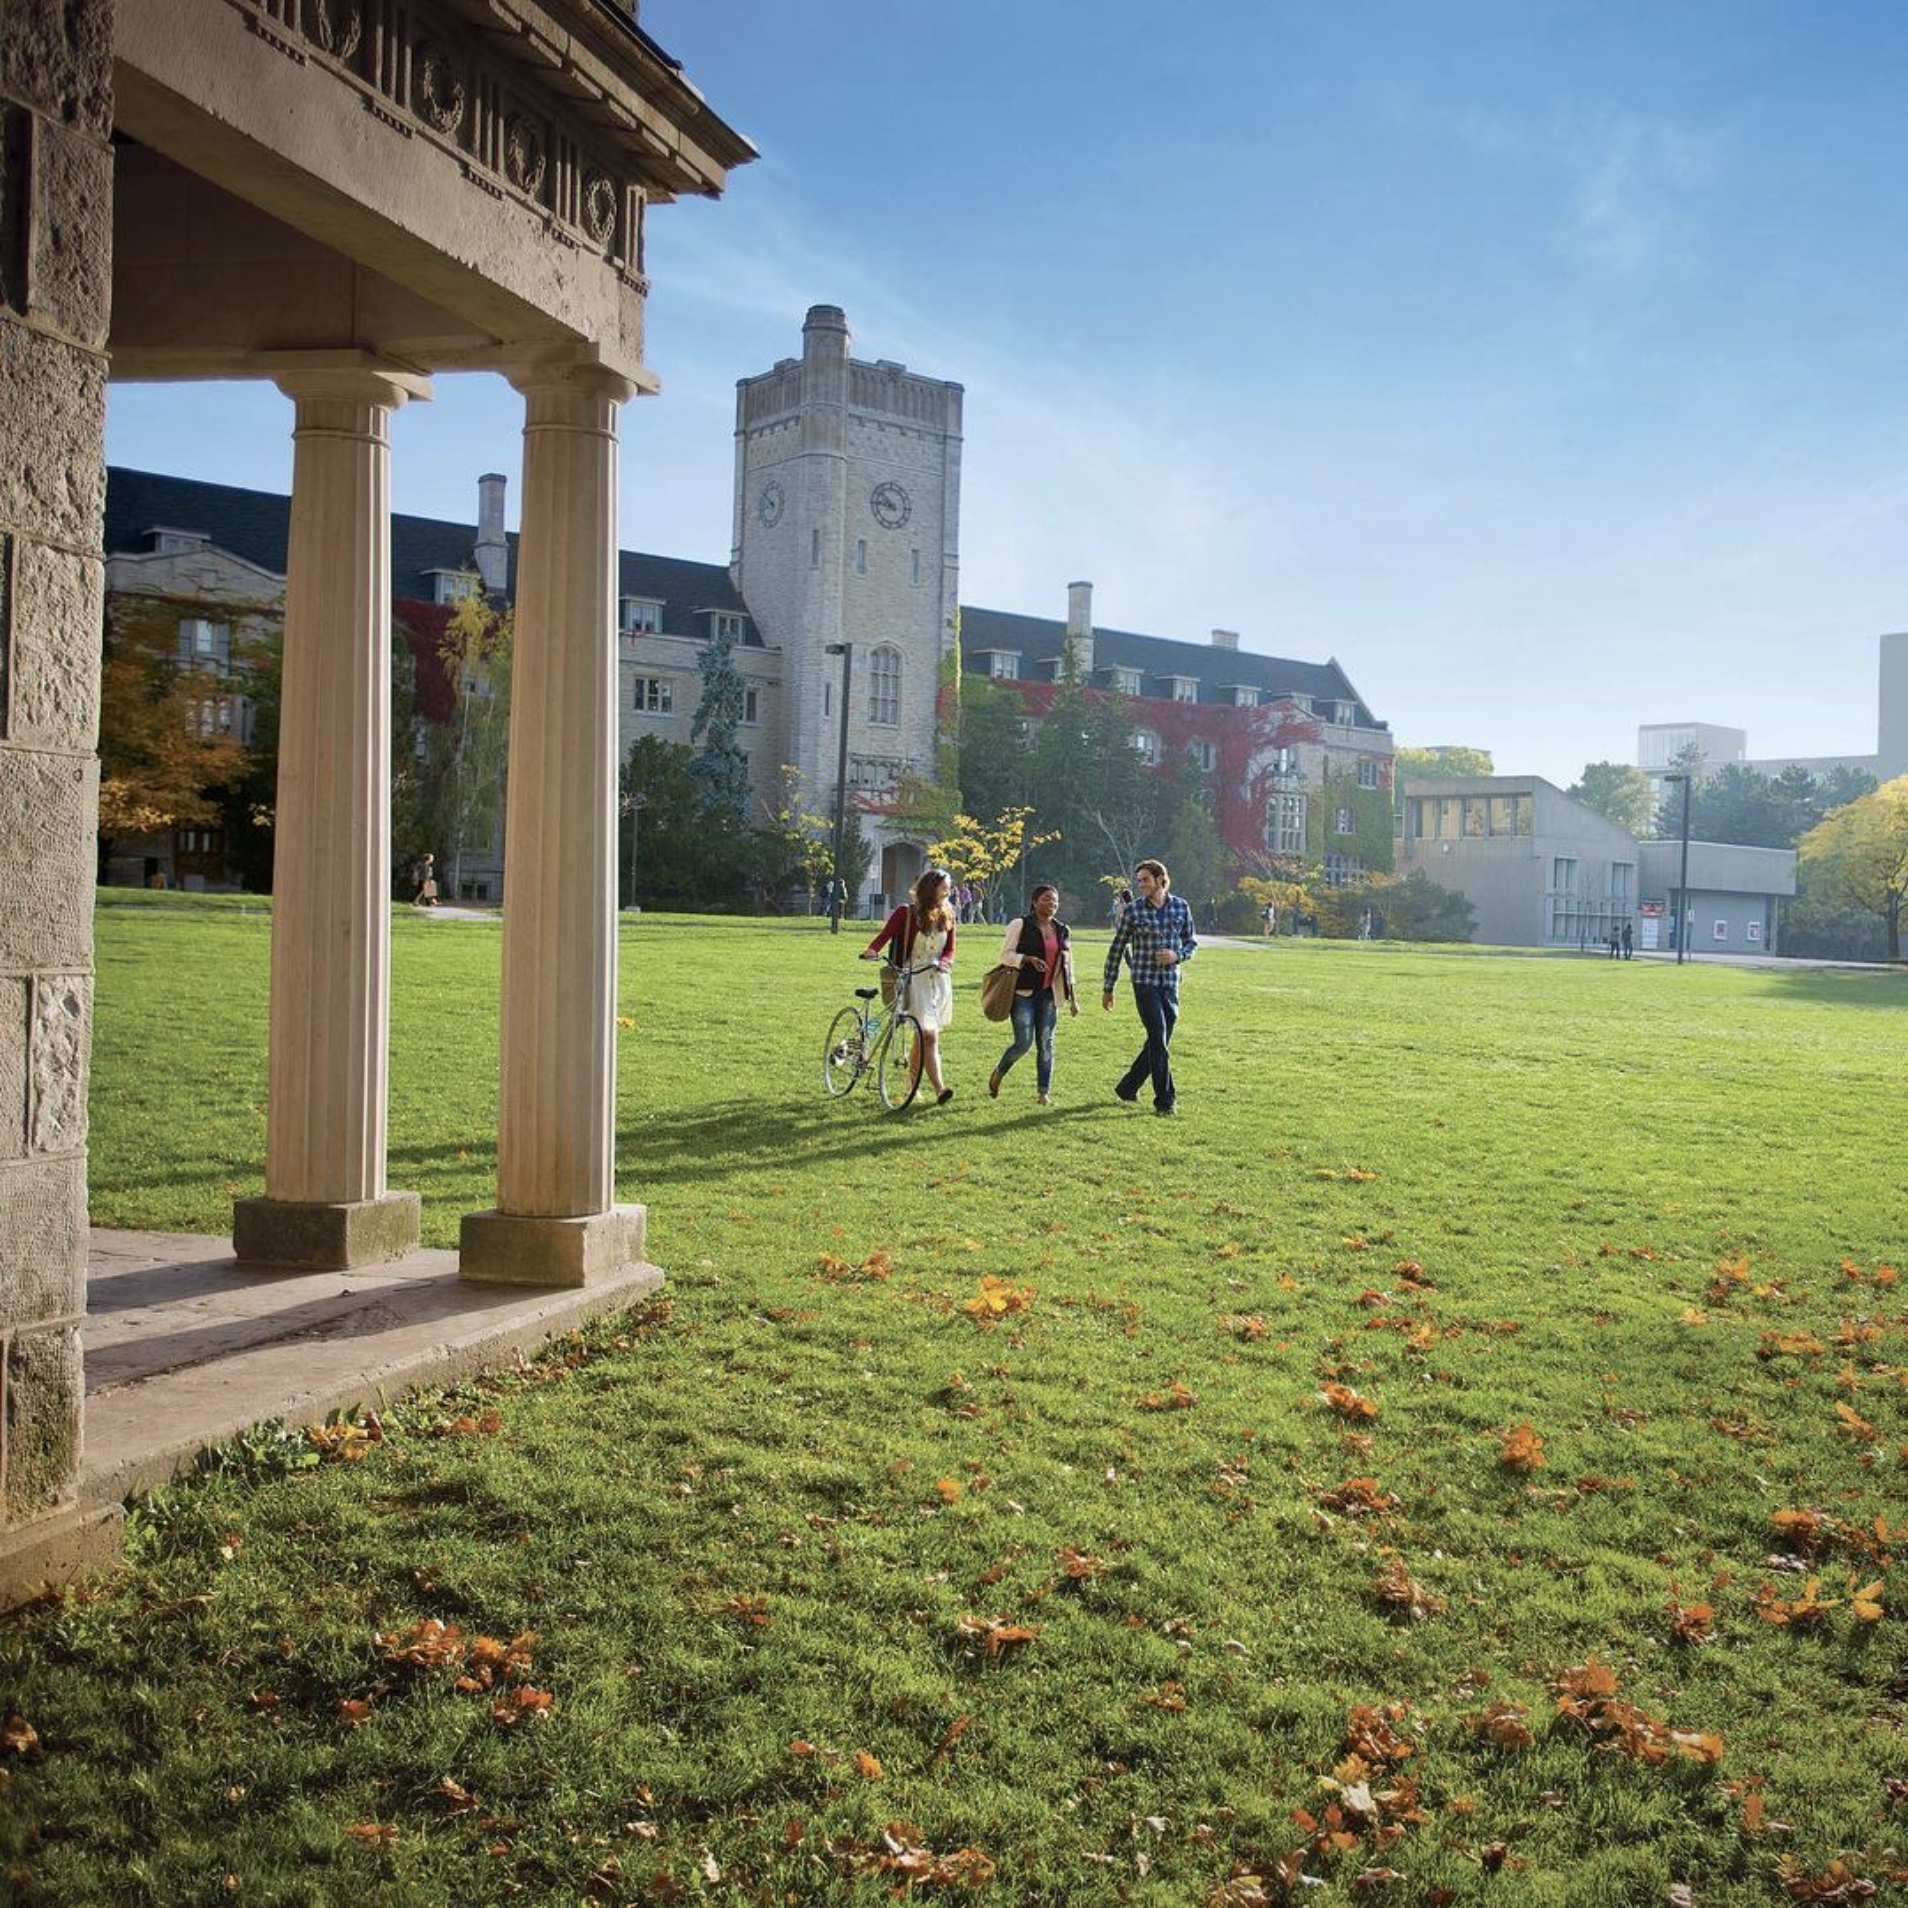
[[778, 1536]]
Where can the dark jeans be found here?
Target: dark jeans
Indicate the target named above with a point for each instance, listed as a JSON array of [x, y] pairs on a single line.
[[1034, 1015], [1159, 1014]]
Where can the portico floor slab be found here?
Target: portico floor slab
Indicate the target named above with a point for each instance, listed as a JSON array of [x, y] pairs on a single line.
[[185, 1350]]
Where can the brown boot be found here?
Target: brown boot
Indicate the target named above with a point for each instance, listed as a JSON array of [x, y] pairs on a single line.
[[993, 1084]]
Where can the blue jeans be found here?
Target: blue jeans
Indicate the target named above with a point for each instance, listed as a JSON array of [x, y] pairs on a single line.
[[1034, 1015], [1159, 1014]]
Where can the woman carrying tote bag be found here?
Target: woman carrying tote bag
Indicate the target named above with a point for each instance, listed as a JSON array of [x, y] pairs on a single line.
[[1038, 945]]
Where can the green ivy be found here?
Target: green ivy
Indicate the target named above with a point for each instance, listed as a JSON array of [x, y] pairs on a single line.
[[1371, 836]]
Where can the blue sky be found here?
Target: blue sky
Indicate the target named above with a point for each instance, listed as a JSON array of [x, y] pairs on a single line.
[[1545, 364]]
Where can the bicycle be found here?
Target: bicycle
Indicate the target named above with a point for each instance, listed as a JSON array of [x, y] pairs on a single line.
[[884, 1040]]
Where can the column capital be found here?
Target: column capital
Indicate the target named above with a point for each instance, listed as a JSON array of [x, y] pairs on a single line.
[[353, 377], [572, 374]]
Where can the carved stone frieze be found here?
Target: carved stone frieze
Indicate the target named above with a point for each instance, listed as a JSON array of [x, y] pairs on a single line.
[[526, 157], [337, 25], [437, 91]]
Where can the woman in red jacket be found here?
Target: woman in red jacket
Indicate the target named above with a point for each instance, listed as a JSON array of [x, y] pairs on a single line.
[[919, 935]]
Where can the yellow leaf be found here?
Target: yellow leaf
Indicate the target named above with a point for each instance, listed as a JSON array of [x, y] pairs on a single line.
[[869, 1766]]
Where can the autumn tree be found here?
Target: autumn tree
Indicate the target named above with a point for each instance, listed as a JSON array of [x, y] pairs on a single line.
[[1859, 856], [1617, 792], [1452, 762], [984, 853], [461, 802], [167, 750]]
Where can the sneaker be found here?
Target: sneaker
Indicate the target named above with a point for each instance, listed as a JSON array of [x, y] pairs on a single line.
[[946, 1094], [1042, 1099], [1167, 1112], [1120, 1093], [993, 1084]]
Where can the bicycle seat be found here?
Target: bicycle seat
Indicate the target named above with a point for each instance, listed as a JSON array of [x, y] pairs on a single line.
[[866, 993]]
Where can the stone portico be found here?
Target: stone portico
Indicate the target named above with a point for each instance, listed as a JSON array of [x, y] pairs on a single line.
[[344, 198]]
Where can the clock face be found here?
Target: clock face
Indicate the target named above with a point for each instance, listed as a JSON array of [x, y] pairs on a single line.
[[890, 506], [768, 504]]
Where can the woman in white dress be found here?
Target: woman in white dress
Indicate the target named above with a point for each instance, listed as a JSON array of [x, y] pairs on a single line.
[[919, 935]]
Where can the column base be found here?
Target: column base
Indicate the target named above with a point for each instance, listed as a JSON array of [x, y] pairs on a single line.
[[505, 1248], [51, 1550], [310, 1236]]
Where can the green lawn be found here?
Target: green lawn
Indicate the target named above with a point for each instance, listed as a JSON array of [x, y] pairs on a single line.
[[1212, 1559]]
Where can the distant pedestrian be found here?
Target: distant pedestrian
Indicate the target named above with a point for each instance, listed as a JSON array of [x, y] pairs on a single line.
[[1038, 945], [1269, 919], [1155, 938], [424, 874], [1629, 942]]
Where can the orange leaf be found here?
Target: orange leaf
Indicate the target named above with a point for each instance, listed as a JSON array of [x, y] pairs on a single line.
[[869, 1766], [1521, 1450], [949, 1490], [1348, 1403]]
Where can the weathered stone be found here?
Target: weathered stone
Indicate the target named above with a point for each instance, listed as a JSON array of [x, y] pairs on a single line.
[[48, 814], [58, 1046], [42, 1241], [40, 1425], [52, 466], [502, 1248], [70, 260], [13, 1046], [57, 55], [57, 600], [311, 1236], [55, 1549]]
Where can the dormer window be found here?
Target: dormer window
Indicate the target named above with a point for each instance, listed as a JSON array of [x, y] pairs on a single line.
[[727, 623], [163, 542], [1244, 696], [1003, 665], [1125, 681], [1345, 714], [1183, 688], [641, 616], [454, 586]]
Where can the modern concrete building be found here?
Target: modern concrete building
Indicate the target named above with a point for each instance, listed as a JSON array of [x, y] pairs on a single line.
[[1543, 870], [339, 200]]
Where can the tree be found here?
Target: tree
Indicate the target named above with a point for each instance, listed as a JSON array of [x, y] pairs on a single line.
[[662, 821], [984, 852], [1618, 793], [166, 751], [467, 756], [1196, 856], [799, 844], [1452, 762], [995, 759], [1859, 856], [720, 768], [1416, 908], [1089, 785]]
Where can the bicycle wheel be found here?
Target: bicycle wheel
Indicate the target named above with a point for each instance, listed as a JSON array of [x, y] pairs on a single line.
[[843, 1059], [900, 1073]]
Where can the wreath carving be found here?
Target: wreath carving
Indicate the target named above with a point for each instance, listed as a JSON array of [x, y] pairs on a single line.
[[338, 36], [599, 207], [524, 159], [436, 91]]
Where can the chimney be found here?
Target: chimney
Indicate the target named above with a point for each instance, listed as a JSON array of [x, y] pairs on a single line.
[[493, 552], [825, 332], [1080, 627], [1225, 639]]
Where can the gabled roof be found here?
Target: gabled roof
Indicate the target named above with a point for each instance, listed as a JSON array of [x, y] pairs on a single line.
[[1039, 639], [255, 525]]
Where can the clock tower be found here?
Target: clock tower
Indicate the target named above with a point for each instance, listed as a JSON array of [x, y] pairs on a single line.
[[847, 530]]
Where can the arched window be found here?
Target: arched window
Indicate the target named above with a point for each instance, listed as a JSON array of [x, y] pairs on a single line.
[[884, 686]]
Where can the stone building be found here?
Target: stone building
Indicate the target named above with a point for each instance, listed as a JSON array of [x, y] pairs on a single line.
[[339, 197]]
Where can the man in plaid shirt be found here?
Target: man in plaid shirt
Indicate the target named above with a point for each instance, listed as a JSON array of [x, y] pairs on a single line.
[[1156, 938]]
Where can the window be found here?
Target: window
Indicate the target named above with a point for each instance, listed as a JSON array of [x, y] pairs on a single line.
[[1345, 822], [1126, 681], [453, 586], [873, 771], [861, 556], [1203, 756], [1345, 714], [208, 645], [1368, 775], [641, 616], [1563, 873], [1146, 745], [1622, 880], [1754, 931], [1563, 904], [728, 623], [1185, 688], [884, 687], [1340, 869], [1285, 825], [1510, 814], [1719, 930], [653, 695], [1476, 814], [751, 702], [1244, 696], [1003, 665]]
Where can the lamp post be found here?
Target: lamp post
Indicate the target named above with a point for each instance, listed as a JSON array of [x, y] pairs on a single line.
[[1682, 879], [838, 899]]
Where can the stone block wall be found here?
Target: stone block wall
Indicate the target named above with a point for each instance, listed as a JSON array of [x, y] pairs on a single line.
[[56, 173]]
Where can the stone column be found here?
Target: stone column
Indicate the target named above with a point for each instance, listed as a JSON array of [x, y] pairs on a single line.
[[325, 1203], [56, 225], [555, 1221]]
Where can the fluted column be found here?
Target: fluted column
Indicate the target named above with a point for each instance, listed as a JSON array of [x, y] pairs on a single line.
[[326, 1204], [556, 1222]]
